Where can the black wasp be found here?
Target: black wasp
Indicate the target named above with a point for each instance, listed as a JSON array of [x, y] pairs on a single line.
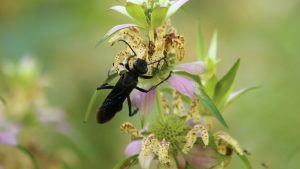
[[124, 86]]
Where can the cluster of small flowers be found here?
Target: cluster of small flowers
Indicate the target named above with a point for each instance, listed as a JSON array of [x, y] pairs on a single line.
[[24, 111]]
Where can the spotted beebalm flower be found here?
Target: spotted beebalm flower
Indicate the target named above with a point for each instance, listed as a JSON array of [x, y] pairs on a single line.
[[173, 135]]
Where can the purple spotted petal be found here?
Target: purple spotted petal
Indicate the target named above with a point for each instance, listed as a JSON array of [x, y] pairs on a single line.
[[133, 148], [143, 101], [195, 68], [182, 85]]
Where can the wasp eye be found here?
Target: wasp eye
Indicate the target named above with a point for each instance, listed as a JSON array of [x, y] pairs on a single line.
[[140, 66]]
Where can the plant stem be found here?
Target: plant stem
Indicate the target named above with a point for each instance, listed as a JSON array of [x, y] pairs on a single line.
[[176, 161], [158, 103], [151, 33]]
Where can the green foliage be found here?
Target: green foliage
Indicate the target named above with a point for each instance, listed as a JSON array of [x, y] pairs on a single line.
[[245, 161], [158, 16], [200, 43], [127, 162], [113, 31], [212, 52], [137, 13], [208, 103], [237, 94], [175, 6], [224, 86], [121, 9], [90, 106]]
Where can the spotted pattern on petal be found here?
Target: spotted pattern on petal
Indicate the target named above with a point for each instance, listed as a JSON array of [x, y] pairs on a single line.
[[147, 145], [193, 113], [222, 136], [163, 153], [178, 107], [128, 128]]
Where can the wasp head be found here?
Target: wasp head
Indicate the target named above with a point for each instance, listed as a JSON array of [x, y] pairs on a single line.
[[140, 66]]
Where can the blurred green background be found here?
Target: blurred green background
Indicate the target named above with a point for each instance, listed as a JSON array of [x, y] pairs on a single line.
[[265, 34]]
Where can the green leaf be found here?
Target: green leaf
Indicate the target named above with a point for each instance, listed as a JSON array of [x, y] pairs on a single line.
[[90, 106], [245, 161], [212, 52], [210, 106], [175, 6], [128, 162], [210, 68], [210, 86], [237, 94], [121, 9], [205, 99], [158, 16], [94, 97], [113, 31], [137, 13], [200, 43], [224, 86]]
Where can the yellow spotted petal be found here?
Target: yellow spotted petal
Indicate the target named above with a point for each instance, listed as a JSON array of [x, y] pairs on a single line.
[[193, 113], [204, 133], [165, 104], [163, 153], [128, 128], [178, 107], [147, 145], [190, 140], [231, 141], [118, 59]]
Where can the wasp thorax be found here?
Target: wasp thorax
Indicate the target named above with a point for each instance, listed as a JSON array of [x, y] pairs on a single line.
[[140, 66]]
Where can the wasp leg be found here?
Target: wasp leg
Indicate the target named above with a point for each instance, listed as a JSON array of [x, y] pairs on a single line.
[[105, 86], [129, 107], [146, 77], [153, 87]]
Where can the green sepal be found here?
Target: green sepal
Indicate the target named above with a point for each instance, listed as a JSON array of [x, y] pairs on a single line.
[[158, 16], [127, 162], [237, 94], [200, 43], [210, 86], [212, 52], [175, 6], [245, 161], [113, 31], [224, 86], [94, 97], [137, 13]]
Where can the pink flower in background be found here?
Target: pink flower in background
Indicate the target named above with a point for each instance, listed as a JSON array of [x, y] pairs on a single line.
[[8, 131], [54, 118]]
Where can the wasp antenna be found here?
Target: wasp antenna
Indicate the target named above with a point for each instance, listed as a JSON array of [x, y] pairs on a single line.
[[128, 46]]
